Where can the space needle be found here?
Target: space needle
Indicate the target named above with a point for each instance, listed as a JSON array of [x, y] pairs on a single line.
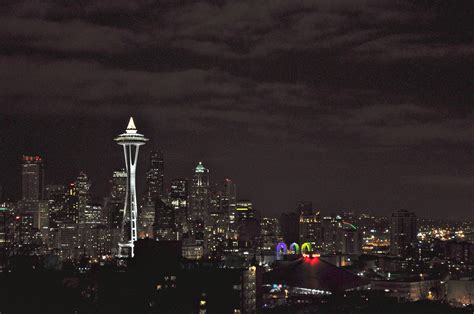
[[131, 140]]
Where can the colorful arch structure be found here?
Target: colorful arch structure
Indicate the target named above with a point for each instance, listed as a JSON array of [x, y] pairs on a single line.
[[294, 248], [308, 247], [281, 249]]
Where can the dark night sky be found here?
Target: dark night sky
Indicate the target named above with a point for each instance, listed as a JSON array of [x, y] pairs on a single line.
[[359, 105]]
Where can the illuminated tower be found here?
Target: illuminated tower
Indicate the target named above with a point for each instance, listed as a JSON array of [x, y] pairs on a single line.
[[32, 177], [155, 176], [131, 141], [199, 201], [403, 232]]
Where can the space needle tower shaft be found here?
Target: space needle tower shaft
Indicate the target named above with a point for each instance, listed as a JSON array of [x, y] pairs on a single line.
[[131, 140]]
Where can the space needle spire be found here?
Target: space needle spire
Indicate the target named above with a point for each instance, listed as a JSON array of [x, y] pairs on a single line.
[[131, 140]]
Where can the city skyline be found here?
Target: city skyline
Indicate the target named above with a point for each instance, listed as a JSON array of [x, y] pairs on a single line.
[[101, 188], [236, 156], [352, 105]]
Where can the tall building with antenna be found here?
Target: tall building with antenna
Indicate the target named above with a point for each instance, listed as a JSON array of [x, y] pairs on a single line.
[[199, 201], [131, 140]]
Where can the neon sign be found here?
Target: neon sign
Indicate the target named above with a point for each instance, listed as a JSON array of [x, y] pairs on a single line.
[[308, 247], [281, 248], [294, 248], [306, 250]]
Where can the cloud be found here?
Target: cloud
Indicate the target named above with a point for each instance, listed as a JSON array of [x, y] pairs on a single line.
[[85, 81], [439, 180], [70, 36], [243, 29]]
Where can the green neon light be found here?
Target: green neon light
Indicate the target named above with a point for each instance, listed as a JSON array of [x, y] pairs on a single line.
[[3, 209], [346, 223], [306, 246]]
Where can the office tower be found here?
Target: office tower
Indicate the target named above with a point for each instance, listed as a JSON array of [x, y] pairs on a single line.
[[331, 234], [93, 214], [117, 198], [70, 211], [403, 232], [244, 210], [88, 216], [164, 221], [178, 199], [82, 186], [131, 141], [55, 195], [227, 204], [88, 235], [309, 226], [43, 221], [270, 234], [147, 217], [290, 227], [216, 226], [32, 175], [23, 229], [67, 240], [351, 240], [248, 230], [199, 201], [155, 176]]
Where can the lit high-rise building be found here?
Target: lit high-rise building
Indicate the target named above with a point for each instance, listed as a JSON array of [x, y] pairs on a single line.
[[178, 199], [131, 140], [147, 217], [227, 205], [351, 240], [164, 221], [88, 229], [270, 234], [248, 224], [117, 198], [331, 234], [244, 210], [309, 226], [199, 201], [70, 211], [155, 176], [403, 232], [32, 175], [82, 186]]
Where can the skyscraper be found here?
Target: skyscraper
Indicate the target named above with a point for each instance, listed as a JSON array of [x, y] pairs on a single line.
[[82, 186], [310, 224], [155, 176], [248, 224], [199, 200], [131, 141], [56, 196], [331, 234], [403, 232], [178, 199], [164, 221], [147, 217], [32, 175], [154, 194], [117, 198], [227, 205]]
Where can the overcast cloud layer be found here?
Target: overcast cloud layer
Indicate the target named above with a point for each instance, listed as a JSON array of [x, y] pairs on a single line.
[[358, 105]]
